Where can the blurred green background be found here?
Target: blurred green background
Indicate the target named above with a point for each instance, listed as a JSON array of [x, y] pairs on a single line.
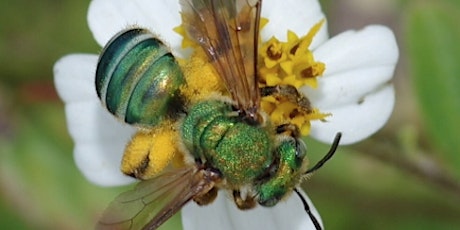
[[404, 177]]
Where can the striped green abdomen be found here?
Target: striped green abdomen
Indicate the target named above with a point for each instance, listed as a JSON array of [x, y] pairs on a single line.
[[137, 78]]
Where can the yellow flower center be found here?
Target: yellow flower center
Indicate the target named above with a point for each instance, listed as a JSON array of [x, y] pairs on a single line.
[[290, 63]]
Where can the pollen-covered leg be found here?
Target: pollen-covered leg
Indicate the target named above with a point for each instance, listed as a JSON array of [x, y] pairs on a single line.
[[289, 93], [243, 203], [150, 152]]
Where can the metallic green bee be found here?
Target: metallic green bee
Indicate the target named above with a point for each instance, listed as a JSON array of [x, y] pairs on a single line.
[[232, 143]]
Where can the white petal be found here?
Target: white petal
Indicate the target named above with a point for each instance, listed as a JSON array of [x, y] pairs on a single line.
[[356, 63], [97, 165], [348, 87], [359, 65], [357, 121], [74, 77], [295, 15], [100, 141], [107, 17], [374, 45], [99, 138], [224, 215]]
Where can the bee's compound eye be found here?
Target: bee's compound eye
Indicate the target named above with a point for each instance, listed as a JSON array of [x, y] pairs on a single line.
[[269, 203], [270, 194], [301, 150], [293, 150]]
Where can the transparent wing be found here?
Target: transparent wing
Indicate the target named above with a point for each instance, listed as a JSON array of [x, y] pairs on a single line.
[[228, 33], [154, 201]]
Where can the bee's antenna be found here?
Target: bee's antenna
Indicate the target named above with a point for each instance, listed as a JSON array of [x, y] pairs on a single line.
[[307, 209], [328, 156]]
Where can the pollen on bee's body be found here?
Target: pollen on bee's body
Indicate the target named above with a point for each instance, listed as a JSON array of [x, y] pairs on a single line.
[[202, 80], [150, 152]]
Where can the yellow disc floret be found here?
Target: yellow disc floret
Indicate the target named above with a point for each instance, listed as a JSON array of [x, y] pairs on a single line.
[[290, 63]]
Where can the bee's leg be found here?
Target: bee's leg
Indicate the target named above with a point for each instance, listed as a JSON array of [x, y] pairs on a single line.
[[207, 198], [289, 93], [243, 204], [288, 129]]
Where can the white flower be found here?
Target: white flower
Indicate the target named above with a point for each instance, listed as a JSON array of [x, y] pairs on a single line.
[[355, 88]]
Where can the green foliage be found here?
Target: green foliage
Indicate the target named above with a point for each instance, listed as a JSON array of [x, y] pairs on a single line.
[[432, 38], [36, 33]]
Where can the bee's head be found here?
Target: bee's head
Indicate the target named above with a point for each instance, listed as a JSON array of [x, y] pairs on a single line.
[[285, 173]]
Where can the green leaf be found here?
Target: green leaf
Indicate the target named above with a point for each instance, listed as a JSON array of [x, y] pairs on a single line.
[[433, 40]]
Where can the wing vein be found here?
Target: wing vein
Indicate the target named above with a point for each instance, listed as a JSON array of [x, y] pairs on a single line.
[[227, 31]]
